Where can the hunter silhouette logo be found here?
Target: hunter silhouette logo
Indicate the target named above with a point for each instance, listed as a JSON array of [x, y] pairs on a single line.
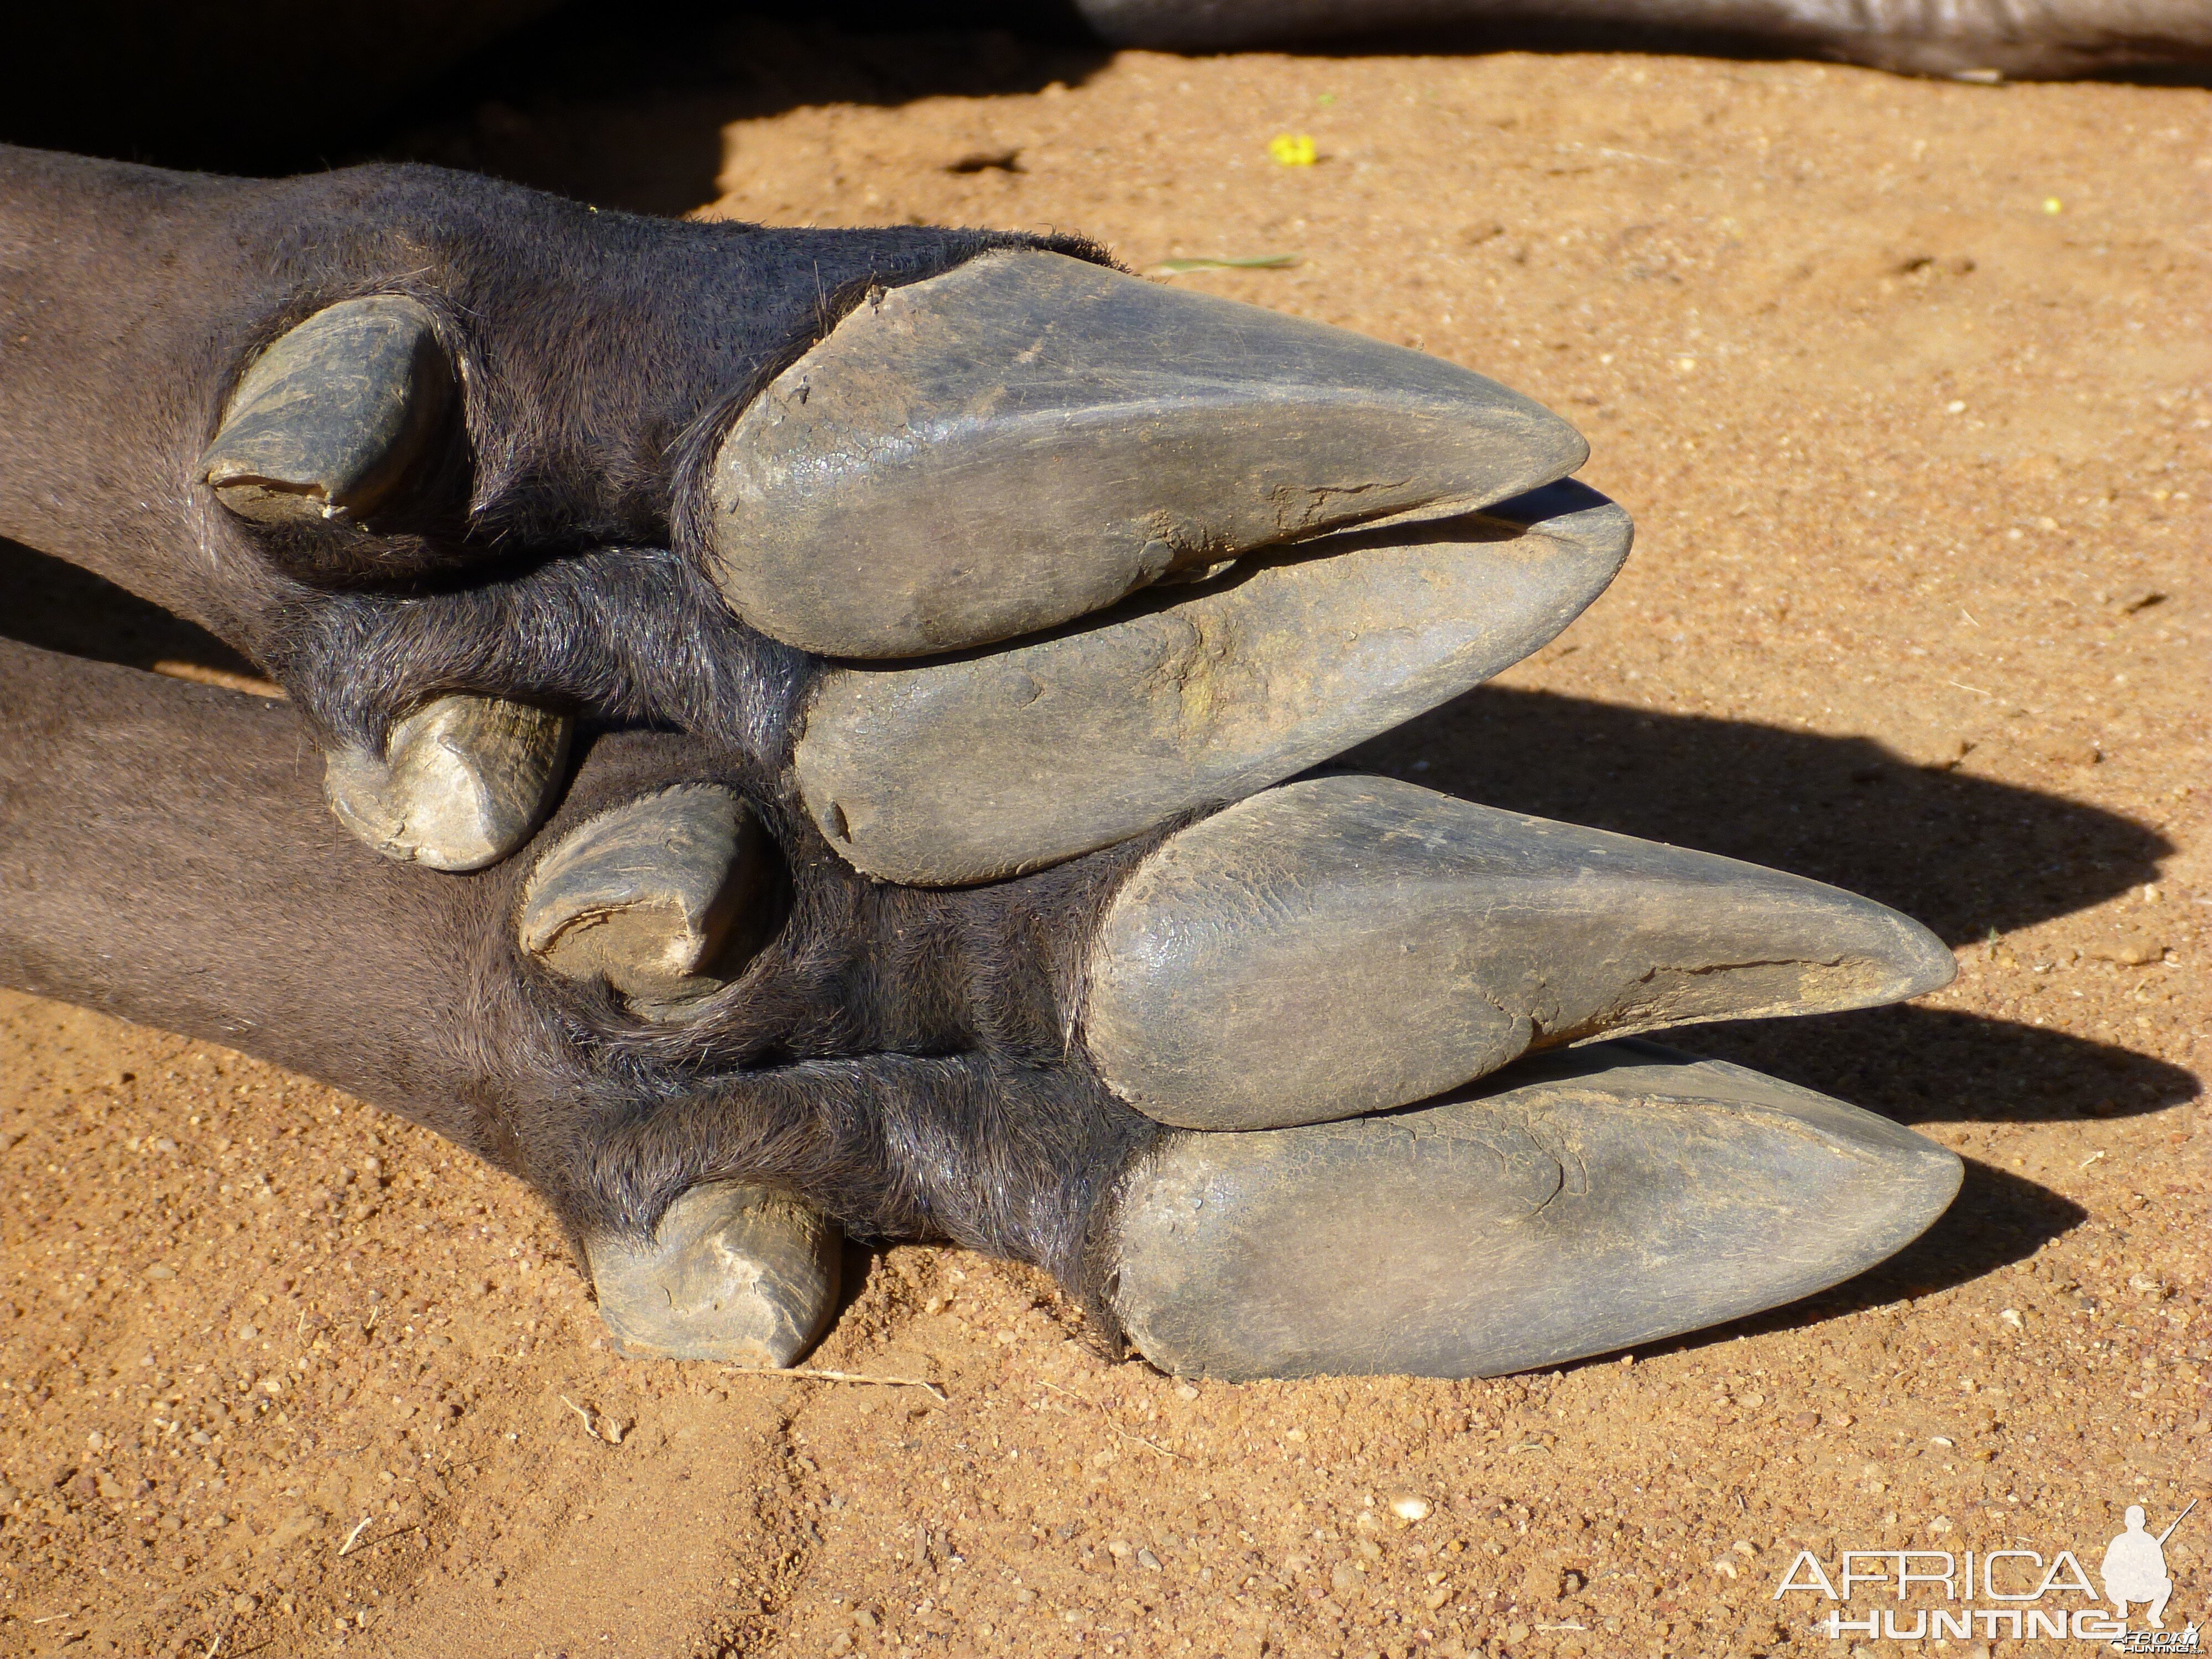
[[2024, 1595], [2135, 1566]]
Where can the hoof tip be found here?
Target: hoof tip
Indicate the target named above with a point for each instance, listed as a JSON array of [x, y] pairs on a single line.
[[1578, 1204]]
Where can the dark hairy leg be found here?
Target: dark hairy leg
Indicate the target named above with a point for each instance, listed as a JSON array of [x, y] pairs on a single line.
[[857, 682], [837, 1053], [166, 859], [455, 461]]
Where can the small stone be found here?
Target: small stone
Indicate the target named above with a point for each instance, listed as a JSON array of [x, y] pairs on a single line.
[[1410, 1506], [2129, 951], [158, 1271], [1148, 1561], [245, 1604]]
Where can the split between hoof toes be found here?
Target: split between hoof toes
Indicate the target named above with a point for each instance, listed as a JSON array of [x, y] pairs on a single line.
[[462, 782], [1030, 437], [1412, 942], [733, 1272], [976, 767], [1581, 1203]]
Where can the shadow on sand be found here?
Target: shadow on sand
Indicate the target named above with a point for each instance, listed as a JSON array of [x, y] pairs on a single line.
[[1966, 855]]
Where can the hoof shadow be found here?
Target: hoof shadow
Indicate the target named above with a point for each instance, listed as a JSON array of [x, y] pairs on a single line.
[[57, 607], [1936, 1066], [1960, 853], [626, 106]]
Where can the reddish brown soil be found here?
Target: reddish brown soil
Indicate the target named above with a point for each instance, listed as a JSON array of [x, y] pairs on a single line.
[[1906, 385]]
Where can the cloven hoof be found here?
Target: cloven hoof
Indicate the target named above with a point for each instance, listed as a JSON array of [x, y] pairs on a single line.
[[1030, 437]]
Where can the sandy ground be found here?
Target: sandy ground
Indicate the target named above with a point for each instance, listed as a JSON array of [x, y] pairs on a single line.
[[1907, 387]]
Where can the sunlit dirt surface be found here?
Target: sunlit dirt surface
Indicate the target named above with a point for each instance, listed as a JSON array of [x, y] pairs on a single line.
[[1906, 385]]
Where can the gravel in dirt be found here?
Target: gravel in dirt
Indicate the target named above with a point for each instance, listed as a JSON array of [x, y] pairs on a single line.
[[1906, 385]]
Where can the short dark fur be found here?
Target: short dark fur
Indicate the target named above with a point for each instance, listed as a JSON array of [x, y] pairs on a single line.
[[601, 356], [903, 1058]]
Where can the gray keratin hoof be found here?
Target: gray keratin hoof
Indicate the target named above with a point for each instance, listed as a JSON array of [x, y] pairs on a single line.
[[969, 769], [1030, 437], [732, 1273], [1412, 942], [663, 898], [331, 417], [1580, 1203], [463, 781]]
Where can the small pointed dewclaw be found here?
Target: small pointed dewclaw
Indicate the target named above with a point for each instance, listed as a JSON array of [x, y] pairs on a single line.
[[733, 1272], [971, 768], [1412, 942], [1030, 437], [1579, 1203], [330, 418], [462, 783], [659, 897]]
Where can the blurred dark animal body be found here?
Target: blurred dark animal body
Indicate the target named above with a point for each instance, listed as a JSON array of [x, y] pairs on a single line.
[[251, 85]]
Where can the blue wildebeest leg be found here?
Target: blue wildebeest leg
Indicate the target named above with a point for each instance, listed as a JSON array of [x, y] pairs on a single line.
[[711, 1044]]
